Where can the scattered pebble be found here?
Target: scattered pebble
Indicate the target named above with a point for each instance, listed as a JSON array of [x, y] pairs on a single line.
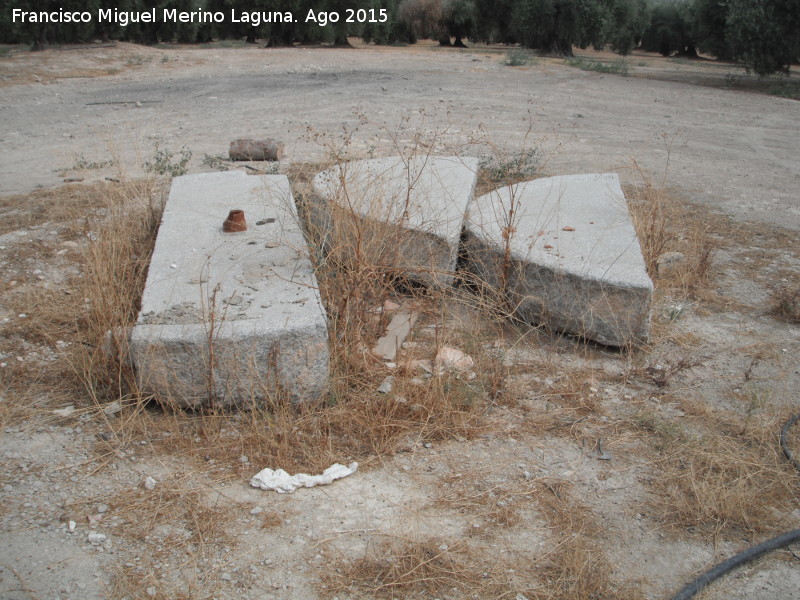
[[64, 412], [256, 510], [112, 409], [452, 359], [95, 539], [387, 384], [150, 483]]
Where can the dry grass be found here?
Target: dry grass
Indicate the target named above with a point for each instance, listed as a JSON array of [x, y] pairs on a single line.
[[577, 567], [786, 302], [716, 476], [486, 497], [178, 526], [73, 205], [116, 268], [573, 566], [64, 321], [668, 227], [419, 568]]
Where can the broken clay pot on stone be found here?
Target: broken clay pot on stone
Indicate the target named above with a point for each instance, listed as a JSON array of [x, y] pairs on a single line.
[[235, 222]]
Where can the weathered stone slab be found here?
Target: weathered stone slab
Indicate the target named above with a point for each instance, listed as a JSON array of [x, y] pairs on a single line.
[[574, 262], [228, 316], [403, 214]]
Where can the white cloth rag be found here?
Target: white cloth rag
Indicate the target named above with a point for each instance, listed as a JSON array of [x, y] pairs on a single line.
[[283, 483]]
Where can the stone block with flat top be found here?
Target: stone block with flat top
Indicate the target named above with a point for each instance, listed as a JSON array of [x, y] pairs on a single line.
[[230, 317], [564, 252], [404, 214]]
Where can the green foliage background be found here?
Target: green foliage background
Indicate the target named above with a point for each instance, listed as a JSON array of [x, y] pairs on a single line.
[[762, 35]]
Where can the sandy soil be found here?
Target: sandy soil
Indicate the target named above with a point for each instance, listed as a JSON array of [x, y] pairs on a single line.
[[735, 152]]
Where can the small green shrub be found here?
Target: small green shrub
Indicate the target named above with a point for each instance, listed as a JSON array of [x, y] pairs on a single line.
[[137, 60], [517, 167], [216, 161], [788, 89], [165, 162], [82, 163], [518, 58]]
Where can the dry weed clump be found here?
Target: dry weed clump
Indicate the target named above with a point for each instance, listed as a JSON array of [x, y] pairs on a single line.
[[786, 302], [70, 205], [177, 525], [577, 566], [715, 476], [486, 498], [61, 327], [676, 243], [419, 568], [116, 264], [360, 425]]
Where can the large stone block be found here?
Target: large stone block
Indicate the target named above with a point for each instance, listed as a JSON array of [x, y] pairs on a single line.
[[229, 316], [564, 252], [402, 215]]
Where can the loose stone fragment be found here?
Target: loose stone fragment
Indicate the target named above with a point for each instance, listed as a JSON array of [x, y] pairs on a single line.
[[256, 150]]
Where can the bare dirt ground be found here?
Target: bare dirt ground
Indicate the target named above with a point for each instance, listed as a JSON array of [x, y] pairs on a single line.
[[581, 472]]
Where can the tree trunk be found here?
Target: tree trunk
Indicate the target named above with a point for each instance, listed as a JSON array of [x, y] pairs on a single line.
[[281, 35], [690, 52], [340, 39]]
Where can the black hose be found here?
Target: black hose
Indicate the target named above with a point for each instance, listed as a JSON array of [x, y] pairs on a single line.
[[729, 565], [784, 446], [754, 552]]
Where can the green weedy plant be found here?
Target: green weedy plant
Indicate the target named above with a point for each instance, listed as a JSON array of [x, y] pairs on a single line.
[[137, 60], [165, 162], [82, 163], [505, 170], [518, 58], [617, 67], [785, 89], [216, 161]]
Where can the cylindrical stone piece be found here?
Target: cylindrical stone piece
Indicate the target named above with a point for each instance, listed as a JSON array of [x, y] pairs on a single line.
[[249, 149]]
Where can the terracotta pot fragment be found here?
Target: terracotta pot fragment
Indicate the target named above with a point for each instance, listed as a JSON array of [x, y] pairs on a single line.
[[235, 222]]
